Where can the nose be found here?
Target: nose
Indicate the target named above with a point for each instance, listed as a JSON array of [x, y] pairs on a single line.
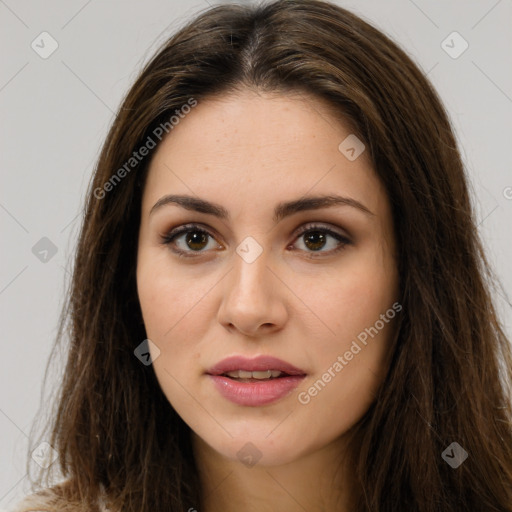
[[254, 301]]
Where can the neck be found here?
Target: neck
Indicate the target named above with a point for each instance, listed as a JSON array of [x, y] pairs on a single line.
[[316, 482]]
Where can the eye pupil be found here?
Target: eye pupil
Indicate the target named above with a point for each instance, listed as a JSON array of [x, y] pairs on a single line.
[[316, 238], [196, 237]]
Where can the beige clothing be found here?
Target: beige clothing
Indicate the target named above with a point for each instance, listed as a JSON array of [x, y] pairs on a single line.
[[47, 501]]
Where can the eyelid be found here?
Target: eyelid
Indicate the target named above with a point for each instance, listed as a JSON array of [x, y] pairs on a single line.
[[185, 227], [310, 226]]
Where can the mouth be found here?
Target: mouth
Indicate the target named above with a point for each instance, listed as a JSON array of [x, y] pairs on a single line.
[[247, 376], [258, 368], [255, 382]]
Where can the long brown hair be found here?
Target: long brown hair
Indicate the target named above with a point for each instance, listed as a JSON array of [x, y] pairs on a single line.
[[451, 365]]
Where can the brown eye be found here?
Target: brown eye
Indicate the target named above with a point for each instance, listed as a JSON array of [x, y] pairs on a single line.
[[189, 239], [196, 240], [315, 238]]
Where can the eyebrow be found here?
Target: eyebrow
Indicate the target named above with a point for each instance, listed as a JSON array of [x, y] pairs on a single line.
[[282, 210]]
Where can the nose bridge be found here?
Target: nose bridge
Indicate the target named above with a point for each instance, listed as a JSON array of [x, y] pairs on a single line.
[[250, 273], [251, 293]]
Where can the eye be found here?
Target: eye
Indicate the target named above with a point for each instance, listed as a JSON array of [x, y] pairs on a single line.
[[315, 237], [191, 238]]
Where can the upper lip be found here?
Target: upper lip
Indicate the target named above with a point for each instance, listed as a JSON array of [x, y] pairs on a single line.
[[260, 363]]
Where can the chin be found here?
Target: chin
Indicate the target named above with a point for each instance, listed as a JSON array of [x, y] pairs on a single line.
[[250, 446]]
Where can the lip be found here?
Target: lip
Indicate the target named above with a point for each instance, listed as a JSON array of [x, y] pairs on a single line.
[[255, 393], [260, 363]]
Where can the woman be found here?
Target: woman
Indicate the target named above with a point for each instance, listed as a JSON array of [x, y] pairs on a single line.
[[280, 301]]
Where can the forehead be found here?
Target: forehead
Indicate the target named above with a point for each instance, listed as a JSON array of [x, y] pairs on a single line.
[[259, 147]]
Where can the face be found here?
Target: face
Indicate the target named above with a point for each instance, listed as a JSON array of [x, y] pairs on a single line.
[[252, 273]]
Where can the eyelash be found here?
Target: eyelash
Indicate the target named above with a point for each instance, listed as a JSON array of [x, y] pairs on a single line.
[[168, 239]]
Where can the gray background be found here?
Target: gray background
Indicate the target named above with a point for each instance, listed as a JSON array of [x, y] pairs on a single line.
[[56, 112]]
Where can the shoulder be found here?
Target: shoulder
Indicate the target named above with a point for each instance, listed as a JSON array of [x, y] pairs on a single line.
[[41, 501], [52, 500]]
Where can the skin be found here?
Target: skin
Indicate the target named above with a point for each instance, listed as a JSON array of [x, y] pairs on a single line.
[[247, 152]]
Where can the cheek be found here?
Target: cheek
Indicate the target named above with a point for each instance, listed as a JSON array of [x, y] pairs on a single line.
[[350, 365], [350, 297], [171, 306], [168, 297], [354, 305], [157, 298]]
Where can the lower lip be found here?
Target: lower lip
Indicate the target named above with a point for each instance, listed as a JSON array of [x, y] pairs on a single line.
[[256, 393]]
